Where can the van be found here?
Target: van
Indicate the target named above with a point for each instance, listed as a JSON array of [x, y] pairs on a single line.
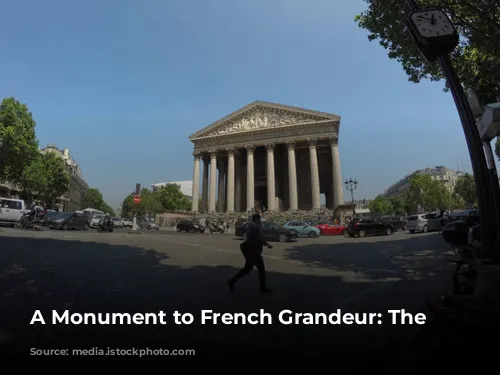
[[11, 210], [423, 223]]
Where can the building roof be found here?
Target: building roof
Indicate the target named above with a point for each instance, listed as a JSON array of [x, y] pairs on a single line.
[[186, 187]]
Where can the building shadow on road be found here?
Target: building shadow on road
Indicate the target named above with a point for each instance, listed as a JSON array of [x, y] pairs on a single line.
[[83, 277]]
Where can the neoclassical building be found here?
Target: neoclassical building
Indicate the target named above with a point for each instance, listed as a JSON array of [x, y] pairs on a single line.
[[268, 156]]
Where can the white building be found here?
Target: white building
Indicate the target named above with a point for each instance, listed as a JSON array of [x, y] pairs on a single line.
[[442, 174], [186, 187]]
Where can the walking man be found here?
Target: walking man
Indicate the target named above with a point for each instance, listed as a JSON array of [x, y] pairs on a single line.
[[252, 251]]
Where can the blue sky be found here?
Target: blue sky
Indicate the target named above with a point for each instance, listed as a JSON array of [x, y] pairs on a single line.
[[132, 79]]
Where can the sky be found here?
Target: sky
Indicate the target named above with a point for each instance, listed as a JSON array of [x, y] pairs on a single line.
[[130, 80]]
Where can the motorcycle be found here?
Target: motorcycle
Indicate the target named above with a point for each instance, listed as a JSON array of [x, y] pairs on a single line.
[[216, 229], [105, 225], [24, 222]]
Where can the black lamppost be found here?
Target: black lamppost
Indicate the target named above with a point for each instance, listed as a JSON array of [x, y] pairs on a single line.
[[352, 185]]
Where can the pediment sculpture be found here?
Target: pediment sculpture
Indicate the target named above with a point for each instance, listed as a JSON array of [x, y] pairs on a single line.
[[258, 120]]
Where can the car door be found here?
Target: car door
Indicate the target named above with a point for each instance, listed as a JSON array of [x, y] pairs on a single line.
[[14, 210], [80, 220], [268, 230]]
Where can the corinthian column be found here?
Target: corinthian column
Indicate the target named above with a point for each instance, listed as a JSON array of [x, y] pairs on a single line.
[[213, 181], [204, 194], [222, 188], [271, 188], [315, 188], [196, 182], [250, 177], [292, 176], [230, 180], [338, 193], [237, 187]]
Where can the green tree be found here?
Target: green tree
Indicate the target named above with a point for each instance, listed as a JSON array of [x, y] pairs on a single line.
[[94, 199], [441, 196], [428, 193], [33, 179], [478, 23], [380, 205], [57, 178], [171, 198], [397, 205], [465, 189], [18, 140]]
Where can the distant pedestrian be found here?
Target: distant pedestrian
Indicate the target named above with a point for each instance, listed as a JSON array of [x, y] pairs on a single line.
[[252, 251]]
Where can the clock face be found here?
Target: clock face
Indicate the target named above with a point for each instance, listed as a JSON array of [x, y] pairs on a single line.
[[432, 23]]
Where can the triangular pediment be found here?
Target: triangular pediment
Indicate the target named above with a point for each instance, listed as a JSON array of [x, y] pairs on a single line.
[[262, 115]]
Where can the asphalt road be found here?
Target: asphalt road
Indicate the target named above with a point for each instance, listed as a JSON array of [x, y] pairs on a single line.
[[90, 272]]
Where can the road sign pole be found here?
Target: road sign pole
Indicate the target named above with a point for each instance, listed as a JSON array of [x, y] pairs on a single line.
[[137, 200], [134, 225]]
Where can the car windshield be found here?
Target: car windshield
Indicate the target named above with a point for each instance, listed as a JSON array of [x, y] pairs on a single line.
[[413, 218]]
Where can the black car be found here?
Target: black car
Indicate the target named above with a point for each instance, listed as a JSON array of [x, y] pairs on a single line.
[[190, 227], [271, 231], [68, 220], [397, 222], [366, 227], [48, 216], [240, 228]]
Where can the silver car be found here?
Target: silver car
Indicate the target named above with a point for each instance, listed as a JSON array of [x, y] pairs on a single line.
[[423, 223], [149, 225]]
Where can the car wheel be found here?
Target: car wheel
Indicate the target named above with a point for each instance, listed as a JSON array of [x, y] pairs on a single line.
[[312, 234], [362, 233], [86, 227], [426, 229], [412, 231], [178, 229], [244, 236], [149, 227], [18, 224], [202, 231], [283, 237], [388, 231], [65, 226]]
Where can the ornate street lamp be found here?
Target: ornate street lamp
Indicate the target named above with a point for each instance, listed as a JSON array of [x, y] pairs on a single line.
[[352, 185]]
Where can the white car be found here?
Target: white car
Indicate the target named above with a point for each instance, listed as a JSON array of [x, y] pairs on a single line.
[[127, 223], [94, 221]]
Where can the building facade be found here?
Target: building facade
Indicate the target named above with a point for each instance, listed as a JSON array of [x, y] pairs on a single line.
[[268, 156], [74, 199], [442, 174]]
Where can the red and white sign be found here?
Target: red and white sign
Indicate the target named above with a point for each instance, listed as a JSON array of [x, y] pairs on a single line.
[[137, 199]]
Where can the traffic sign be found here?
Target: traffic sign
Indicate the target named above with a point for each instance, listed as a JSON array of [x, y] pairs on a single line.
[[137, 199]]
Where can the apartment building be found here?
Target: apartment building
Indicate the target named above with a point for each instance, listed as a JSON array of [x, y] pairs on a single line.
[[442, 174]]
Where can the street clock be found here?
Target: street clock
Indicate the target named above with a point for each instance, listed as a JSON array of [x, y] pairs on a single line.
[[433, 32]]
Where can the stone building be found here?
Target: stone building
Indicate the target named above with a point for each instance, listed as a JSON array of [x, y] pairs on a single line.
[[268, 156], [442, 174], [74, 199]]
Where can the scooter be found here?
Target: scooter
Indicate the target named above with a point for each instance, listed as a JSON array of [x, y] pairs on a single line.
[[24, 223], [105, 225], [216, 229]]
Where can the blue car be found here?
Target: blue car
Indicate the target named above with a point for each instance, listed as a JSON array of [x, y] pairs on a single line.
[[303, 229]]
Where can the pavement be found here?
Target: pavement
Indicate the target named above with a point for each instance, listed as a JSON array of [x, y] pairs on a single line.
[[90, 272]]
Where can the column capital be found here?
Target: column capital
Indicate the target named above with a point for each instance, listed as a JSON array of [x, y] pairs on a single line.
[[312, 142], [334, 140], [270, 146], [290, 144], [230, 151], [250, 148], [213, 153], [197, 154]]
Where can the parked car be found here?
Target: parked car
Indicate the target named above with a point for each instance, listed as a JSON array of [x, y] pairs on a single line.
[[149, 225], [189, 226], [272, 232], [95, 219], [48, 216], [117, 222], [328, 228], [127, 223], [11, 210], [303, 229], [395, 221], [366, 227], [68, 220], [423, 223], [240, 228]]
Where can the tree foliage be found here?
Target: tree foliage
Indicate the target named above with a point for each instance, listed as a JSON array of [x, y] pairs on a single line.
[[465, 190], [427, 193], [19, 145], [380, 205], [167, 198], [94, 199]]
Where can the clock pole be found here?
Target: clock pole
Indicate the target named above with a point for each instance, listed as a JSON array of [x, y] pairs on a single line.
[[488, 191]]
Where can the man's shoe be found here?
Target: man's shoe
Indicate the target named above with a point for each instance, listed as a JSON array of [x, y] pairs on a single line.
[[266, 290]]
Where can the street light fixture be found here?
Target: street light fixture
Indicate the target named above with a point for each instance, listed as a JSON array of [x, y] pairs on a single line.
[[352, 185]]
